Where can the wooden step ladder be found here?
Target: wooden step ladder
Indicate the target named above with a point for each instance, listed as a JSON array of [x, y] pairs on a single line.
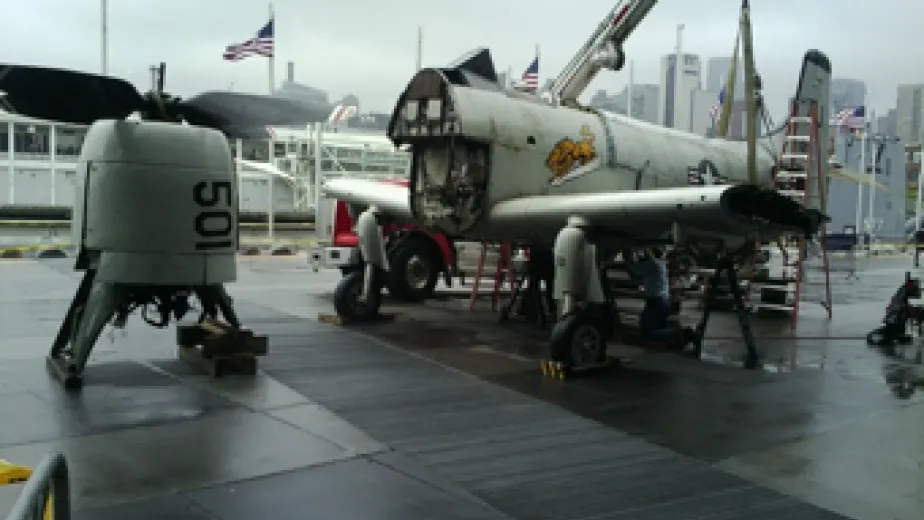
[[801, 162]]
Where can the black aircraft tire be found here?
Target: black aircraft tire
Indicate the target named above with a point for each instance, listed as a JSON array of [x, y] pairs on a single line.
[[345, 298], [413, 254], [578, 340]]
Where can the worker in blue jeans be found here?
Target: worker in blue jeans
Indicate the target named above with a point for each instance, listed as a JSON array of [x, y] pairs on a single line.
[[650, 271]]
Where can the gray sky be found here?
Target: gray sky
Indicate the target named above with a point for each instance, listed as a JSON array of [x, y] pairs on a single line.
[[367, 46]]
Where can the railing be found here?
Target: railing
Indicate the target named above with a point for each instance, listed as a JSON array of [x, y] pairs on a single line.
[[46, 495]]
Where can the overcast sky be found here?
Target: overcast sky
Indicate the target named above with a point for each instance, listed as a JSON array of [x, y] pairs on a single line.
[[367, 47]]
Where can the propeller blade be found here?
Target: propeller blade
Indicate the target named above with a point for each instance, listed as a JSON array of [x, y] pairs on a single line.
[[65, 95], [233, 111]]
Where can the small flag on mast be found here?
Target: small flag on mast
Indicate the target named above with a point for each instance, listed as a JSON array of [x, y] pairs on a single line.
[[261, 45], [852, 118], [531, 75], [716, 109]]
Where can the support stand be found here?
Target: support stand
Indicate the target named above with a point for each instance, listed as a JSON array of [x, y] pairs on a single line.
[[96, 303], [726, 267], [536, 303]]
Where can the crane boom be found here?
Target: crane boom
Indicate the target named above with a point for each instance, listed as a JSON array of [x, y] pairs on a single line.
[[602, 50]]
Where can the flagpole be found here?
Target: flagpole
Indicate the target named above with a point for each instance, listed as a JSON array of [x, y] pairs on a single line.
[[859, 215], [104, 37], [678, 76], [419, 48], [630, 88], [872, 176], [271, 63], [538, 85]]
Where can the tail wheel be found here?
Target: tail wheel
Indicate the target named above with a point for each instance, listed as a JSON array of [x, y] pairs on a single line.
[[413, 269]]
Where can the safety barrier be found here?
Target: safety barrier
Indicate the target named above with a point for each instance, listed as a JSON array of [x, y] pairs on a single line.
[[48, 250], [46, 494], [248, 248]]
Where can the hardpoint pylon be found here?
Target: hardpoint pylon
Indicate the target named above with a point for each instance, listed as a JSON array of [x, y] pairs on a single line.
[[801, 163]]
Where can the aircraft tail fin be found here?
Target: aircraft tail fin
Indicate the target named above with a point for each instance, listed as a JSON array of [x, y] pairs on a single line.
[[814, 90]]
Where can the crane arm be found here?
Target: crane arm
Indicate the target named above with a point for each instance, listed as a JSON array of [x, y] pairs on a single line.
[[602, 50]]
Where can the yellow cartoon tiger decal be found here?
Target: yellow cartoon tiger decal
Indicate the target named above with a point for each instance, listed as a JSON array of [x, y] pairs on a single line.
[[568, 154]]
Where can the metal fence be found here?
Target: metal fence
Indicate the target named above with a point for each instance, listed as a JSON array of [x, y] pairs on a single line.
[[46, 495]]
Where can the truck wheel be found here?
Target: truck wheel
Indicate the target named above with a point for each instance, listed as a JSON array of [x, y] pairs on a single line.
[[413, 270]]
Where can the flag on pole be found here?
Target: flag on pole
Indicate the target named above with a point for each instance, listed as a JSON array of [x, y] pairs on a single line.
[[530, 77], [341, 112], [716, 109], [852, 118], [261, 45]]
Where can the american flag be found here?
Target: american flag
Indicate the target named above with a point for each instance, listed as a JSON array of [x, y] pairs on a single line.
[[341, 112], [261, 45], [531, 75], [852, 118], [716, 109]]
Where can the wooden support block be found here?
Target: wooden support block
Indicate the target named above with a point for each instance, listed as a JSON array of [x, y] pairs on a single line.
[[340, 321], [219, 349]]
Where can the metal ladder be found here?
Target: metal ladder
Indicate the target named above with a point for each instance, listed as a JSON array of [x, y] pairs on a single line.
[[503, 274], [801, 162]]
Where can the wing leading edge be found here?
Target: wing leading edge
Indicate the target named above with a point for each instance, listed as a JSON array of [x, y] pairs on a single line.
[[724, 210], [389, 198]]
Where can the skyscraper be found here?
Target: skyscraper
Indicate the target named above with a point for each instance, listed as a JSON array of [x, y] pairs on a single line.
[[677, 113], [909, 124], [846, 93]]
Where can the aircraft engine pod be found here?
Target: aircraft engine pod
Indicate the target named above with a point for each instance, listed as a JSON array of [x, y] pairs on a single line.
[[157, 205], [156, 222]]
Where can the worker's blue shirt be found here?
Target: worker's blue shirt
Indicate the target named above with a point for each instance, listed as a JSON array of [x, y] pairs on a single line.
[[652, 275]]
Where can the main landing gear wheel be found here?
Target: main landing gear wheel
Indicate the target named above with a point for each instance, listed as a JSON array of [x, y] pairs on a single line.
[[412, 270], [578, 340], [346, 298]]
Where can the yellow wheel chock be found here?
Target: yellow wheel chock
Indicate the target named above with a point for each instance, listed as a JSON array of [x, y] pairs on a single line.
[[15, 474], [561, 371]]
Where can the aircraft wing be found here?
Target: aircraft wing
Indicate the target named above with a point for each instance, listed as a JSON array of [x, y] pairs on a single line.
[[650, 214], [391, 199]]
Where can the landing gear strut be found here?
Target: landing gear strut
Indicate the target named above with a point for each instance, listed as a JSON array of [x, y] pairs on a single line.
[[579, 337], [358, 296]]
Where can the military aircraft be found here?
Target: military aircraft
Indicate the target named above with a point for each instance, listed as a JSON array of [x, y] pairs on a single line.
[[491, 164]]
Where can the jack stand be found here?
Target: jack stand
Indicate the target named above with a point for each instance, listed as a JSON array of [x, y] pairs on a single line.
[[219, 349], [92, 307], [97, 302], [532, 297], [539, 269], [727, 267]]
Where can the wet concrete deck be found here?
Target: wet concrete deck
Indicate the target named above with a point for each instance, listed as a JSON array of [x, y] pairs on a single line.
[[342, 425]]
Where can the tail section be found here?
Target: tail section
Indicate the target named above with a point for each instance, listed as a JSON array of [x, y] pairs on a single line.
[[814, 90]]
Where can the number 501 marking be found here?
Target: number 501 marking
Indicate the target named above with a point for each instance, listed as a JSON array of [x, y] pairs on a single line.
[[214, 226]]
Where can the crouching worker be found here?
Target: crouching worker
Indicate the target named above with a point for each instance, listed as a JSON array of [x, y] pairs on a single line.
[[649, 270]]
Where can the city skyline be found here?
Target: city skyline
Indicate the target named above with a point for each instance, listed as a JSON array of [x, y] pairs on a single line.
[[356, 58]]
